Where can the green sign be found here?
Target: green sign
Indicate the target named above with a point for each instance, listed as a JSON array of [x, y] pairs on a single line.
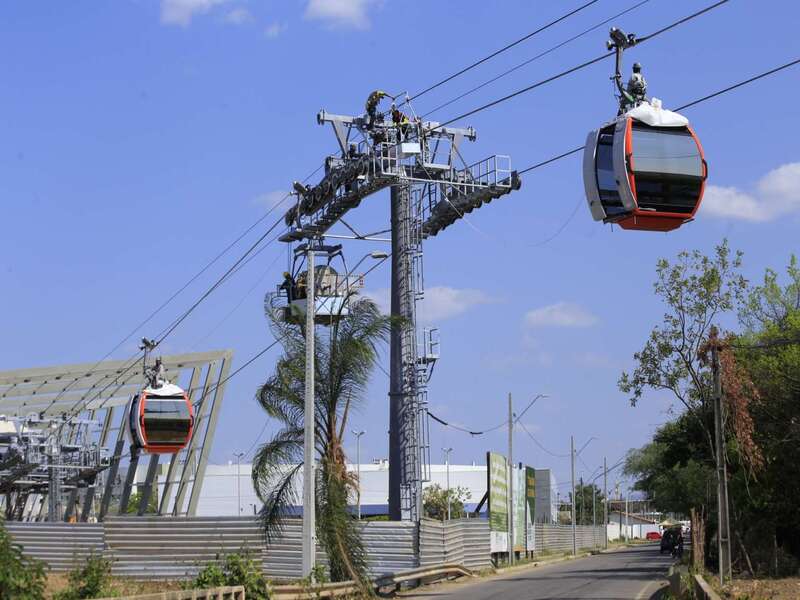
[[497, 482], [530, 505], [519, 509]]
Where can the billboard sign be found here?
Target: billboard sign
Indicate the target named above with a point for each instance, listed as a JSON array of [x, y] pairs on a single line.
[[530, 508], [497, 475], [518, 478]]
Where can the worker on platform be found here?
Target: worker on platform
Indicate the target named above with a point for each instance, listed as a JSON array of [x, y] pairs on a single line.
[[635, 91], [372, 106], [401, 122], [289, 285]]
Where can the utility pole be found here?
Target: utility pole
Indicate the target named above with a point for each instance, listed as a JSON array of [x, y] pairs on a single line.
[[627, 520], [605, 503], [510, 481], [239, 456], [594, 510], [724, 537], [447, 452], [572, 471], [309, 466], [582, 498], [358, 435]]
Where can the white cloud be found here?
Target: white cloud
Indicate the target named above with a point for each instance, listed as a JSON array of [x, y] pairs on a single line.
[[560, 314], [239, 16], [271, 199], [776, 194], [440, 302], [341, 13], [181, 12], [275, 29]]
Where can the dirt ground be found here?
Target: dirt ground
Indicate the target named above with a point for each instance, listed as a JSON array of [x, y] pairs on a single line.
[[764, 589], [57, 582]]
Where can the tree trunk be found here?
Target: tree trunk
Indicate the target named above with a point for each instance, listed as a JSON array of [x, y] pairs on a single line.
[[698, 539]]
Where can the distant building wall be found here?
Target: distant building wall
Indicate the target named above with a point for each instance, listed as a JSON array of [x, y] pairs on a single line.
[[546, 497], [219, 494]]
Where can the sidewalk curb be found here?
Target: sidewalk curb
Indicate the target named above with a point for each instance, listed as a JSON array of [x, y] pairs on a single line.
[[541, 563]]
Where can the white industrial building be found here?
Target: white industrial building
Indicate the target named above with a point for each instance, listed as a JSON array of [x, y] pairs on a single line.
[[222, 495]]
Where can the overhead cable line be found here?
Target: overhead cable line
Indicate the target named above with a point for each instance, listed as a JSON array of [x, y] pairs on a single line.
[[682, 107], [501, 50], [535, 441], [535, 58], [164, 304], [491, 429], [81, 404], [582, 65], [261, 353]]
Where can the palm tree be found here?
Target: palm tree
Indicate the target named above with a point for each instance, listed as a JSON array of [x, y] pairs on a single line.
[[346, 353]]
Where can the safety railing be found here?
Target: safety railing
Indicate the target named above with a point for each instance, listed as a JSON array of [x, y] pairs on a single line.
[[219, 593], [385, 582]]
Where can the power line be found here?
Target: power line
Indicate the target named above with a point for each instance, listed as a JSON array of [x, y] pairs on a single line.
[[535, 58], [216, 284], [582, 65], [491, 429], [684, 106], [501, 50], [740, 84], [164, 304], [336, 289], [535, 441], [79, 405]]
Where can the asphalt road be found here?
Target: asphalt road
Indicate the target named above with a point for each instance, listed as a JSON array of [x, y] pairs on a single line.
[[628, 574]]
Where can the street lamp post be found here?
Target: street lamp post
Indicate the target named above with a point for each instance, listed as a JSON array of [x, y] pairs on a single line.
[[309, 458], [239, 456], [358, 435], [447, 452]]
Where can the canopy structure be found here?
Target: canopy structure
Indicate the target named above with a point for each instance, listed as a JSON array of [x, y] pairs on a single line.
[[64, 437]]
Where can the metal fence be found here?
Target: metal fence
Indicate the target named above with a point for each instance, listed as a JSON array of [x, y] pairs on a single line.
[[60, 545], [558, 538], [461, 541], [177, 548], [390, 547]]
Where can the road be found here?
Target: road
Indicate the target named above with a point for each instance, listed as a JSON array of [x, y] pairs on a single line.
[[628, 574]]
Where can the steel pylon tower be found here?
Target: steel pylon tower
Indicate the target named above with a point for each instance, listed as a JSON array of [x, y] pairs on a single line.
[[431, 188]]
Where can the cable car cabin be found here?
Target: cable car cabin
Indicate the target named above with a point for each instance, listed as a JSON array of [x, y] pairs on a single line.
[[645, 170], [161, 419], [330, 297]]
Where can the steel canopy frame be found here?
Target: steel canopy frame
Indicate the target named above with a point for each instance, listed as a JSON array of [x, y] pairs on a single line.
[[100, 393]]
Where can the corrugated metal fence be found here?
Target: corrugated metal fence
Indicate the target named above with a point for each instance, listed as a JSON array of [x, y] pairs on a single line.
[[60, 545], [462, 541], [174, 548], [558, 538], [390, 547], [466, 541]]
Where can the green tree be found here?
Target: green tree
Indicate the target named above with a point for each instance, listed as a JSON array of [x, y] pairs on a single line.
[[434, 502], [21, 578], [697, 291], [588, 497], [346, 353], [136, 497], [764, 504]]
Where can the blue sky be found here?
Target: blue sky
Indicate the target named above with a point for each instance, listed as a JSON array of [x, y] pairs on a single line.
[[141, 137]]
